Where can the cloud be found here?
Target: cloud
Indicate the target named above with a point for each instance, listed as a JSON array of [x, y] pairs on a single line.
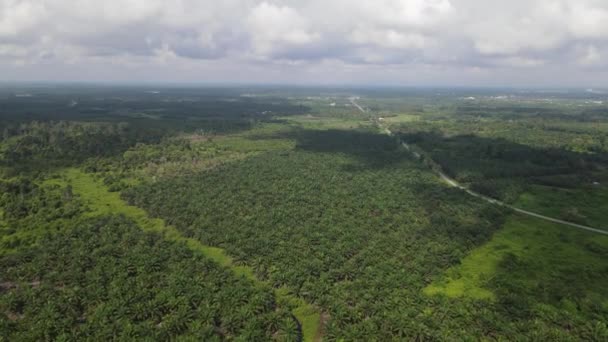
[[388, 38], [462, 35], [18, 16], [276, 28], [592, 57]]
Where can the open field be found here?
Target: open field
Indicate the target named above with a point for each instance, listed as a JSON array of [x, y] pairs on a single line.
[[532, 246]]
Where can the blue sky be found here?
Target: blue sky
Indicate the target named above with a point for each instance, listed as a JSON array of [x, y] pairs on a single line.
[[395, 42]]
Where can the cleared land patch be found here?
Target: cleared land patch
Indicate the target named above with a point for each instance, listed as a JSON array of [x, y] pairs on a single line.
[[549, 251]]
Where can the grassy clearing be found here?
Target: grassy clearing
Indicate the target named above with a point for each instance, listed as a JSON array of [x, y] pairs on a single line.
[[308, 316], [548, 250], [11, 240], [100, 201], [15, 234], [401, 118]]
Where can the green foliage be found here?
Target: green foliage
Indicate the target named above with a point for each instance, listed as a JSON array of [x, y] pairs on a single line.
[[345, 221], [65, 143], [268, 200], [30, 210], [499, 168], [185, 154], [586, 204], [100, 201], [523, 244], [105, 279]]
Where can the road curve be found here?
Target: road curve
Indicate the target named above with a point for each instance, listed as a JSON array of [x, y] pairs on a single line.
[[455, 184]]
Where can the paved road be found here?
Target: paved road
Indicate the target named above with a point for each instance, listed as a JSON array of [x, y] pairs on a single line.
[[354, 103], [455, 184]]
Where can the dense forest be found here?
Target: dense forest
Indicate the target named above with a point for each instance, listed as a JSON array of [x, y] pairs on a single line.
[[66, 275], [105, 279], [270, 214]]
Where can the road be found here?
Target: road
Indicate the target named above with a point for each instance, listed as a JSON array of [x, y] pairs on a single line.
[[455, 184], [354, 103]]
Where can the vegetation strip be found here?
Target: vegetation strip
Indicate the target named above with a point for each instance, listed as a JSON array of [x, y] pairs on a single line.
[[103, 202]]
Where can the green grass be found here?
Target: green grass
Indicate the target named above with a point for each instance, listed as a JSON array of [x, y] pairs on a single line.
[[13, 238], [308, 316], [100, 202], [400, 118], [546, 248]]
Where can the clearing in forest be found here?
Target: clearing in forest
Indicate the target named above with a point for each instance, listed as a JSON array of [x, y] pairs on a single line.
[[529, 252]]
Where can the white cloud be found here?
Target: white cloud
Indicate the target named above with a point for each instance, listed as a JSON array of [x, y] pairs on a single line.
[[521, 62], [12, 51], [586, 19], [591, 57], [399, 13], [274, 27], [389, 38], [460, 34], [18, 16]]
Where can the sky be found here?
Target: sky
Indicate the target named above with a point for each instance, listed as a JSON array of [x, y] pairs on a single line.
[[535, 43]]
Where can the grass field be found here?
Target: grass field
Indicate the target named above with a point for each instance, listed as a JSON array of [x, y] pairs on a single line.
[[401, 118], [531, 253]]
